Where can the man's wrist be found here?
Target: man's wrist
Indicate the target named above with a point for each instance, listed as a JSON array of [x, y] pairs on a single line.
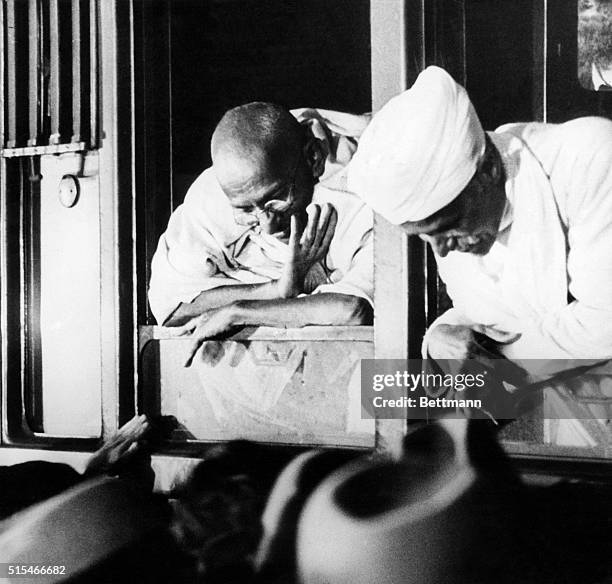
[[280, 289], [239, 312], [287, 291]]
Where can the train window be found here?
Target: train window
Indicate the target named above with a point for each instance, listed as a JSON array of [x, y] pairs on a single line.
[[52, 289], [222, 53], [283, 386], [519, 64], [51, 245], [561, 428], [595, 44], [214, 55]]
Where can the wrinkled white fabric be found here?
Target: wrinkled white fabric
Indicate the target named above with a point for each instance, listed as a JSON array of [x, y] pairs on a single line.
[[420, 150], [548, 276], [203, 247]]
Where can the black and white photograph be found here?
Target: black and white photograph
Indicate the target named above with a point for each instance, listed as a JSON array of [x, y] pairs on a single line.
[[306, 291]]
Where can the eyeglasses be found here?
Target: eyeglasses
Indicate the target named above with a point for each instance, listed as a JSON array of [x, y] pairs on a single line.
[[270, 208]]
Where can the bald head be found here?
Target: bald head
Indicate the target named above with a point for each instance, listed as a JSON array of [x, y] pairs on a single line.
[[262, 154], [256, 138]]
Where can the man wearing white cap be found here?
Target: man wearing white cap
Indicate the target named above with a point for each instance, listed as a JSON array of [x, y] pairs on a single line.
[[520, 221]]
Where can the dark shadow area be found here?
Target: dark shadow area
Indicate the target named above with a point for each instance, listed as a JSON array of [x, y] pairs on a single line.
[[500, 60], [294, 53]]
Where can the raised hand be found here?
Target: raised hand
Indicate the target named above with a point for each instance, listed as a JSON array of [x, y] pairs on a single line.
[[120, 447], [307, 247]]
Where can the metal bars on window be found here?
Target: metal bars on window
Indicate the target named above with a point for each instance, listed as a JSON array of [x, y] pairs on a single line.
[[48, 76]]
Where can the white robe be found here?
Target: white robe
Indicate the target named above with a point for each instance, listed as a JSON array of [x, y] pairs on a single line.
[[548, 276], [203, 247]]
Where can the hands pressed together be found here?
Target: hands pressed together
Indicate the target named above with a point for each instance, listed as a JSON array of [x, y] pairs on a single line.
[[306, 248], [460, 346]]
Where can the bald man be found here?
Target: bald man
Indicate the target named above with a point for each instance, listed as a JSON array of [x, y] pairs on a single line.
[[269, 235]]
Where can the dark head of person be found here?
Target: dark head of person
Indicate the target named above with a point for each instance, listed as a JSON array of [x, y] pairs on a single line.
[[218, 508], [267, 165]]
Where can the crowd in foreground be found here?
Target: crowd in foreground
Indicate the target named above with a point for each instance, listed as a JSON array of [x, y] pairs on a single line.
[[451, 509]]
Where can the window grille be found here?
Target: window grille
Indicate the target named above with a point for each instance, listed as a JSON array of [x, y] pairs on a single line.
[[48, 76]]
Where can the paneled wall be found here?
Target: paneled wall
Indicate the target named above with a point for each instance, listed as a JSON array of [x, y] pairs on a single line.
[[69, 271]]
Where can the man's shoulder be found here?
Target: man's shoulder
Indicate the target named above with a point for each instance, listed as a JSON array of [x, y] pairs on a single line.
[[204, 187], [206, 197], [588, 130], [577, 134], [343, 199], [354, 216], [323, 121], [204, 210]]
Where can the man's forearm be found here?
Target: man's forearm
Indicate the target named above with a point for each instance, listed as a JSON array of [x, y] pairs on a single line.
[[317, 309], [221, 296]]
